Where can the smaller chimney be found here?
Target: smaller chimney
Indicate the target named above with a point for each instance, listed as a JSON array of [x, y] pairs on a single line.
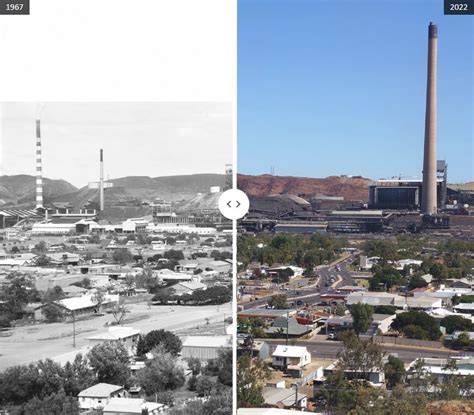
[[101, 179]]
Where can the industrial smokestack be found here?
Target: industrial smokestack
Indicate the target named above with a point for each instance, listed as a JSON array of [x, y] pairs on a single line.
[[39, 167], [101, 184], [429, 197]]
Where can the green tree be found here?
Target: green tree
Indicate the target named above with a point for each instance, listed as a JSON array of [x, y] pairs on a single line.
[[360, 356], [394, 371], [278, 301], [362, 317], [456, 323], [122, 256], [417, 325], [385, 309], [251, 375], [110, 362]]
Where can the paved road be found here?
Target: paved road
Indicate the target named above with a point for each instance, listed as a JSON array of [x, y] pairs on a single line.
[[311, 295]]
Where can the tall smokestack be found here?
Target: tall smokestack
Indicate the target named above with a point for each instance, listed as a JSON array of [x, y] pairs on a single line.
[[39, 167], [429, 197], [101, 184]]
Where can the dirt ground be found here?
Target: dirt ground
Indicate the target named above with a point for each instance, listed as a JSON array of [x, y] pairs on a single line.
[[39, 341]]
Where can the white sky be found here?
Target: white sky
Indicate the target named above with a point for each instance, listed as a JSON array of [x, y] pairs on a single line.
[[139, 139]]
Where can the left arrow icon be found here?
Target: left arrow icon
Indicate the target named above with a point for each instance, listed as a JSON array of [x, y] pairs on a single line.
[[228, 203]]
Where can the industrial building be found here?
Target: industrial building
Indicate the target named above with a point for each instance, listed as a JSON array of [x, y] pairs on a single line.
[[404, 194]]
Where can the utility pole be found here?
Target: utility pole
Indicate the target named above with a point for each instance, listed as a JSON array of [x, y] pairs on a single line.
[[73, 330], [287, 324]]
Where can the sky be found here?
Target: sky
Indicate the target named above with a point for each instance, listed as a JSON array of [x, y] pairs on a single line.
[[334, 87], [139, 139]]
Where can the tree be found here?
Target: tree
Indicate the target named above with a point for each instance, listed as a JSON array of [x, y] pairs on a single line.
[[456, 323], [120, 313], [394, 371], [194, 364], [362, 317], [17, 293], [54, 404], [78, 376], [174, 255], [52, 313], [170, 342], [15, 250], [360, 356], [204, 385], [146, 279], [122, 256], [42, 261], [161, 374], [278, 301], [251, 375], [385, 309], [463, 341], [110, 362], [417, 325], [40, 246], [53, 294]]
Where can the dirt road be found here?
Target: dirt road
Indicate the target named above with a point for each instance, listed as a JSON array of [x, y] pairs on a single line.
[[39, 341]]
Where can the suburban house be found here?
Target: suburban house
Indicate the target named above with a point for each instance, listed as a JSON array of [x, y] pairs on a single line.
[[380, 322], [132, 406], [427, 301], [190, 287], [205, 347], [82, 306], [286, 398], [437, 367], [464, 308], [124, 335], [282, 325], [287, 356], [99, 395], [376, 376], [74, 291]]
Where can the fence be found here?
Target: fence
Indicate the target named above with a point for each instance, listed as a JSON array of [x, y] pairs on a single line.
[[407, 342]]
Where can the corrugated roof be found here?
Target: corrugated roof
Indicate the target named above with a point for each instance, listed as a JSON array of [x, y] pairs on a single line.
[[290, 351], [101, 390], [207, 341]]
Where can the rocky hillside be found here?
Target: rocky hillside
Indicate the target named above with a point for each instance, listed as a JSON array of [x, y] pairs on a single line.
[[21, 189], [351, 188]]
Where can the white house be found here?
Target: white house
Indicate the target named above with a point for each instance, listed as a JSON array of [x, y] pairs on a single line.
[[285, 356], [99, 395]]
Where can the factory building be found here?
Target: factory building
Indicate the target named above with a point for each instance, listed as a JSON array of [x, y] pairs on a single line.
[[406, 194], [10, 217]]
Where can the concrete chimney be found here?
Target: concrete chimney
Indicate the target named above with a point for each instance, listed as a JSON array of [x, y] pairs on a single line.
[[429, 195], [39, 167], [101, 184]]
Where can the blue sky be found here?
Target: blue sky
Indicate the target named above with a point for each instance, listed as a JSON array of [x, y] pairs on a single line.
[[338, 87]]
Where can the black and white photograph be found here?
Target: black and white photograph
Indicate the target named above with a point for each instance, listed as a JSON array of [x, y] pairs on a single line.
[[116, 263]]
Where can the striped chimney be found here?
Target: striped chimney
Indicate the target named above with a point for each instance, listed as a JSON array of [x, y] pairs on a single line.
[[39, 166]]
